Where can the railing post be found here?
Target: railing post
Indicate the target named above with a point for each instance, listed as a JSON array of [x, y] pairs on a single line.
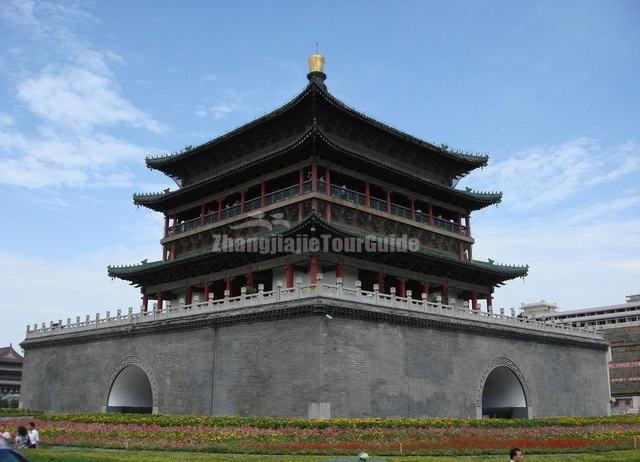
[[78, 320], [226, 298], [278, 290], [260, 293], [376, 294], [409, 295], [243, 295], [319, 284], [358, 289], [339, 287], [392, 292], [298, 288]]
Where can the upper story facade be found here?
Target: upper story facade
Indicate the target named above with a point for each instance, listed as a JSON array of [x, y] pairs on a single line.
[[316, 153]]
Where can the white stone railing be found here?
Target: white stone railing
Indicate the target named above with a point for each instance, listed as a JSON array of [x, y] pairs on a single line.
[[300, 292]]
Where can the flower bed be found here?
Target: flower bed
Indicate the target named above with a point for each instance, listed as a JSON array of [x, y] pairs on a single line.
[[337, 436]]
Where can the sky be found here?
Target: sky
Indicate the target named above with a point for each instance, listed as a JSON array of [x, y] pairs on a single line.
[[549, 90]]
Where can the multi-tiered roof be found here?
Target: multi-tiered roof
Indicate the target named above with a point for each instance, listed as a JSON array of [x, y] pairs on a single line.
[[316, 125]]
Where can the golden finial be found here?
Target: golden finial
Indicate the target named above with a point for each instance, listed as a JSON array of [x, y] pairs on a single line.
[[316, 63]]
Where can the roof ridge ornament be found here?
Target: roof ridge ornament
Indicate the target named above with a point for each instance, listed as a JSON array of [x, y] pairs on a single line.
[[316, 70]]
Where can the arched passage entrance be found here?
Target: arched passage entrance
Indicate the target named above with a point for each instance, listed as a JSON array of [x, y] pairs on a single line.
[[131, 391], [503, 395], [502, 391]]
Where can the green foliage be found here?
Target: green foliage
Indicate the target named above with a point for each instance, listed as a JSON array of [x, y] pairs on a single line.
[[14, 412], [8, 403], [276, 423]]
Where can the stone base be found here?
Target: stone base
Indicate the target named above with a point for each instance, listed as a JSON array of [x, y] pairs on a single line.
[[313, 365]]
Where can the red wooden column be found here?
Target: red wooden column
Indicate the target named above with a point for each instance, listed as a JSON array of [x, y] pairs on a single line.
[[388, 201], [402, 287], [166, 225], [173, 251], [219, 209], [159, 301], [263, 192], [206, 291], [175, 223], [339, 270], [445, 294], [327, 181], [367, 194], [145, 303], [470, 252], [430, 214], [489, 303], [289, 275], [474, 300], [327, 191], [413, 209], [380, 281], [203, 212], [242, 201], [301, 181], [188, 299], [313, 270], [425, 288], [461, 250], [250, 279], [314, 176], [458, 222], [228, 285], [467, 221]]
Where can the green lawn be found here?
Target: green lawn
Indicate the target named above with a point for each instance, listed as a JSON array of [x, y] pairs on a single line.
[[67, 455]]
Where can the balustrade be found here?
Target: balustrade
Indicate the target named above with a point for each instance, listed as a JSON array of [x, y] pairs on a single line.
[[339, 192], [299, 292]]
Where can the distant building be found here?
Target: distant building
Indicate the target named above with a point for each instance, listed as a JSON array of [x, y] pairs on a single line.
[[10, 371], [620, 326]]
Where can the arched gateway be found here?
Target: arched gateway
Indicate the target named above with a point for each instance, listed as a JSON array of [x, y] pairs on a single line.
[[131, 388], [503, 392]]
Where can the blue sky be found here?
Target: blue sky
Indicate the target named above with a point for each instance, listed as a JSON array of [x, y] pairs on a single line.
[[549, 90]]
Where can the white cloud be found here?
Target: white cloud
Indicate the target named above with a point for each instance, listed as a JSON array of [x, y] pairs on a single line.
[[209, 77], [579, 257], [79, 98], [53, 159], [565, 215], [544, 174], [66, 288], [6, 120], [74, 98], [219, 111]]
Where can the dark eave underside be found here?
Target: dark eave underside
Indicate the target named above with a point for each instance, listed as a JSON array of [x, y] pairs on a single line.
[[422, 260], [468, 199]]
